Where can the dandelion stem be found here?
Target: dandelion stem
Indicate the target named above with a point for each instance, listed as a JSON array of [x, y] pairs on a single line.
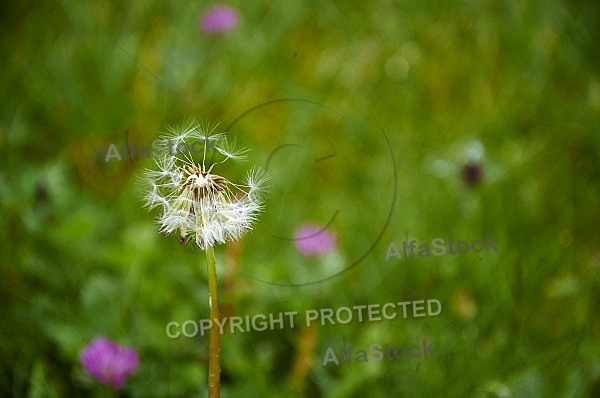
[[214, 349]]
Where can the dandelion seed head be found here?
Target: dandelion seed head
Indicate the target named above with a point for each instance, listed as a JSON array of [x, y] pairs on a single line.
[[193, 199]]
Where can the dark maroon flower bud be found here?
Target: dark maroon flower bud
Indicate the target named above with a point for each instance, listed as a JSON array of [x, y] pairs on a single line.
[[472, 173]]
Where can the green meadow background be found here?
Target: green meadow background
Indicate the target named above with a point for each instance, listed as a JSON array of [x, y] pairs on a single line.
[[385, 103]]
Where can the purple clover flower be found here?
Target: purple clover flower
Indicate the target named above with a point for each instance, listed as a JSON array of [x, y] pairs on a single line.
[[108, 362], [219, 19], [311, 240]]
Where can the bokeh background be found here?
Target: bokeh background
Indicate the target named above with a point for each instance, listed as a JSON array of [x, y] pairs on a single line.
[[437, 119]]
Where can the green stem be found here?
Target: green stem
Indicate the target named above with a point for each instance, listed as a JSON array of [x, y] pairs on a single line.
[[214, 348]]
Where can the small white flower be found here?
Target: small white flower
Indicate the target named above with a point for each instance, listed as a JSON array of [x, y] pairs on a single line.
[[192, 199]]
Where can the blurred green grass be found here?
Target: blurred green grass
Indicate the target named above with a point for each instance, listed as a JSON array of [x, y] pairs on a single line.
[[81, 258]]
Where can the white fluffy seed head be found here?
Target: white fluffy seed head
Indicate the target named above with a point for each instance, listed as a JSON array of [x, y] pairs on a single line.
[[200, 205]]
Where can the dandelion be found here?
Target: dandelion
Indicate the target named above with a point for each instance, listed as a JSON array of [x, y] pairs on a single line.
[[108, 362], [203, 207], [219, 19], [311, 240], [194, 201]]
